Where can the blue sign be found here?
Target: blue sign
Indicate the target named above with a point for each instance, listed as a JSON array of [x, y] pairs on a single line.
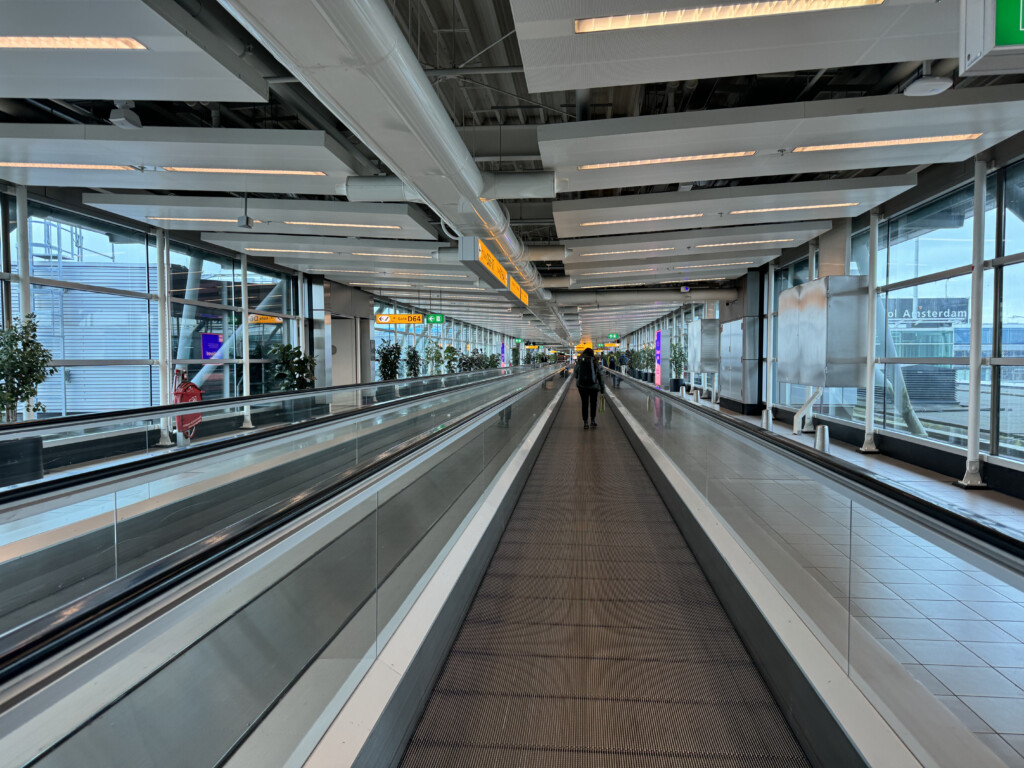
[[213, 346], [657, 359]]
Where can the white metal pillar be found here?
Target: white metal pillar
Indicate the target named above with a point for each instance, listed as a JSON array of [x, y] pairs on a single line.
[[769, 344], [246, 376], [301, 282], [24, 271], [869, 343], [812, 263], [163, 333], [972, 474]]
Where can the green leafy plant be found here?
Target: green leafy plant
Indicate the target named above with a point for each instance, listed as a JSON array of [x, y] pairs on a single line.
[[412, 363], [515, 355], [529, 357], [493, 361], [465, 363], [292, 368], [389, 357], [433, 358], [451, 359], [678, 357], [24, 365]]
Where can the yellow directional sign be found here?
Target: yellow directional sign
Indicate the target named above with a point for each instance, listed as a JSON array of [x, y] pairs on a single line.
[[264, 320], [486, 258], [518, 292], [399, 319]]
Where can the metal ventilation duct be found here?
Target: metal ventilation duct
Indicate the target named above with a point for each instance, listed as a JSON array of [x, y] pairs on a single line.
[[353, 57]]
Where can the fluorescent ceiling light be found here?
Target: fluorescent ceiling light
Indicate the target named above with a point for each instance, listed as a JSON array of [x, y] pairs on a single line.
[[330, 224], [73, 43], [619, 253], [382, 285], [452, 287], [712, 13], [891, 142], [723, 264], [745, 242], [617, 272], [798, 208], [187, 218], [662, 160], [636, 221], [71, 166], [251, 171], [393, 255], [616, 285], [435, 275], [285, 250]]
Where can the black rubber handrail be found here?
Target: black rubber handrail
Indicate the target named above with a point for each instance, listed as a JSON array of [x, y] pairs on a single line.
[[79, 477], [158, 411], [993, 537], [41, 638]]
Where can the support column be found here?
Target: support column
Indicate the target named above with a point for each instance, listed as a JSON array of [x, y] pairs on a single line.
[[769, 344], [246, 376], [24, 271], [163, 335], [972, 474], [869, 344]]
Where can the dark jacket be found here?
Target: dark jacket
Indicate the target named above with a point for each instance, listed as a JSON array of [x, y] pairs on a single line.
[[598, 378]]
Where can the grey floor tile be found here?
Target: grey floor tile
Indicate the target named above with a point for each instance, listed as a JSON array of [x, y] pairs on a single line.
[[945, 609], [1000, 654], [976, 593], [920, 592], [1004, 715], [888, 608], [1002, 749], [1015, 628], [898, 651], [1016, 674], [1016, 741], [966, 715], [911, 629], [974, 681], [998, 611], [927, 679], [947, 652], [897, 576], [977, 631]]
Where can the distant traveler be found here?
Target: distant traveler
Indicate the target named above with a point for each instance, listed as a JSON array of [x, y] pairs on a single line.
[[589, 382], [613, 366]]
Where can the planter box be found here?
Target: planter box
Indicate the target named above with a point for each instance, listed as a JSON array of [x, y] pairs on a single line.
[[21, 460], [675, 385]]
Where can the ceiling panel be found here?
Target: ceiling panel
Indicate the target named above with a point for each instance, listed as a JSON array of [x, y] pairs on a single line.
[[726, 206], [768, 135], [315, 163], [556, 58], [310, 217], [182, 61]]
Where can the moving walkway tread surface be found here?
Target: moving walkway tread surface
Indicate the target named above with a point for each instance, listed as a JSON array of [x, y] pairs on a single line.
[[595, 639]]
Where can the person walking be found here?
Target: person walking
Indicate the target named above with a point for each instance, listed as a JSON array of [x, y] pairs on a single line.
[[613, 366], [589, 383]]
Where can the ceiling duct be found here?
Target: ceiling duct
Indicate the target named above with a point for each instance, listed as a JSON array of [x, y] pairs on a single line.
[[352, 56], [620, 298]]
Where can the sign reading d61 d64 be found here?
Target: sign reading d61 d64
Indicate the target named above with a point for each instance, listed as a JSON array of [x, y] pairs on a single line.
[[435, 319]]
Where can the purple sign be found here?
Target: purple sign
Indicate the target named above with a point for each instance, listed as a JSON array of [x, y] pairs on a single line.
[[213, 344], [503, 354], [657, 359]]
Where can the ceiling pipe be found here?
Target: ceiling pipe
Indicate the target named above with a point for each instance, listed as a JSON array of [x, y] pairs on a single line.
[[621, 298], [375, 84], [546, 252], [460, 71]]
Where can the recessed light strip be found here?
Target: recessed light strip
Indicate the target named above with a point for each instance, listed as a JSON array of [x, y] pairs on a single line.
[[618, 272], [67, 43], [712, 13], [331, 224], [663, 160], [723, 264], [797, 208], [891, 142], [71, 166], [745, 242], [287, 250], [189, 218], [638, 221], [247, 171], [619, 253], [392, 255]]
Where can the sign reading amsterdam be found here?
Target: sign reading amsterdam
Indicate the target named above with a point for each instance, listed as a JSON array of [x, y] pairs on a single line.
[[946, 311], [399, 319]]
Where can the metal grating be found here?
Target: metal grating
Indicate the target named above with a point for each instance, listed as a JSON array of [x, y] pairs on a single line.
[[595, 639]]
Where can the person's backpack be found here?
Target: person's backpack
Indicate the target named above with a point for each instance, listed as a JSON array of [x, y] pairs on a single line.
[[587, 378]]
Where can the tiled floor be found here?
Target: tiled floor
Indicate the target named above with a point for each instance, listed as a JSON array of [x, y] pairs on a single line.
[[956, 626]]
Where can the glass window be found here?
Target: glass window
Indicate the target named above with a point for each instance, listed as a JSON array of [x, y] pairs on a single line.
[[1011, 412], [933, 319], [270, 291], [199, 276], [76, 390], [930, 401], [938, 236], [1012, 307], [1014, 217], [202, 333], [85, 325]]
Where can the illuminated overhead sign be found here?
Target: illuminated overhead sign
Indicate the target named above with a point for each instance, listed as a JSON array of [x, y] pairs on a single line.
[[435, 319], [518, 291], [613, 335], [517, 341], [264, 320], [399, 319], [491, 264], [1009, 22]]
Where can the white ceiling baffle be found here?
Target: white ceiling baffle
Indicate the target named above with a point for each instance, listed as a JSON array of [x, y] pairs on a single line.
[[157, 158], [117, 50], [629, 42], [781, 139]]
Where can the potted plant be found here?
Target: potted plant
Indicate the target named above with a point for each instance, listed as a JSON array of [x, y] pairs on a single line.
[[465, 363], [529, 357], [434, 359], [389, 358], [294, 370], [493, 361], [678, 358], [412, 363], [515, 356], [451, 359], [24, 365]]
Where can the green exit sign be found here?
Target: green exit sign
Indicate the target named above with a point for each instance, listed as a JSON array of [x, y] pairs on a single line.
[[1009, 22], [613, 336], [435, 318], [517, 341]]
